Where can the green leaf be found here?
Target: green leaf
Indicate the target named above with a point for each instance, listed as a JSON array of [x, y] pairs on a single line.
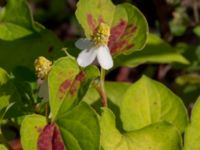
[[92, 96], [80, 128], [61, 79], [68, 85], [2, 147], [11, 101], [10, 31], [188, 79], [192, 133], [191, 53], [177, 29], [19, 25], [159, 136], [128, 26], [91, 73], [187, 87], [111, 138], [31, 128], [22, 13], [115, 92], [44, 44], [156, 51], [8, 92], [4, 77], [147, 102], [196, 30], [4, 111]]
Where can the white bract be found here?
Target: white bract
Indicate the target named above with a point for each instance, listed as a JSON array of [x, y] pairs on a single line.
[[43, 91], [96, 48]]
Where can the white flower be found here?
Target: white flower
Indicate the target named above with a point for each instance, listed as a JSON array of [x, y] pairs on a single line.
[[95, 48]]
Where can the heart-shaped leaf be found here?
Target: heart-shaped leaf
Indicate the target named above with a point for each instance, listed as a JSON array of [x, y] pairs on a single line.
[[31, 128], [147, 102], [50, 138], [61, 78], [159, 136], [128, 26], [67, 85], [80, 128], [192, 133]]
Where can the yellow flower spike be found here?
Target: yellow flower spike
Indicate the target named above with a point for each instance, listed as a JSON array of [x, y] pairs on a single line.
[[101, 35], [42, 67]]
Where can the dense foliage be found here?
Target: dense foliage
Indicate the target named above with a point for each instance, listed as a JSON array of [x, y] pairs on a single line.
[[54, 96]]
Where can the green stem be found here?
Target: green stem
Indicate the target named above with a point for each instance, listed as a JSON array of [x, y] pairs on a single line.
[[102, 88], [66, 52]]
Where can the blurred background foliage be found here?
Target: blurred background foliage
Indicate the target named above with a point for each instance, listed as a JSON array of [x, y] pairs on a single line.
[[177, 22]]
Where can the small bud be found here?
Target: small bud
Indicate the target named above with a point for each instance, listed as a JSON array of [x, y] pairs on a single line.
[[42, 67]]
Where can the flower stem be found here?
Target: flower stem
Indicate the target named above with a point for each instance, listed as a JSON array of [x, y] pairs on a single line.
[[102, 88]]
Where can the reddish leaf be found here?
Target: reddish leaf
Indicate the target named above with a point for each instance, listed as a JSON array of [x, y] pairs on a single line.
[[91, 22], [76, 84], [50, 139], [60, 80], [101, 19], [120, 37], [63, 88], [129, 28], [71, 86], [116, 32]]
